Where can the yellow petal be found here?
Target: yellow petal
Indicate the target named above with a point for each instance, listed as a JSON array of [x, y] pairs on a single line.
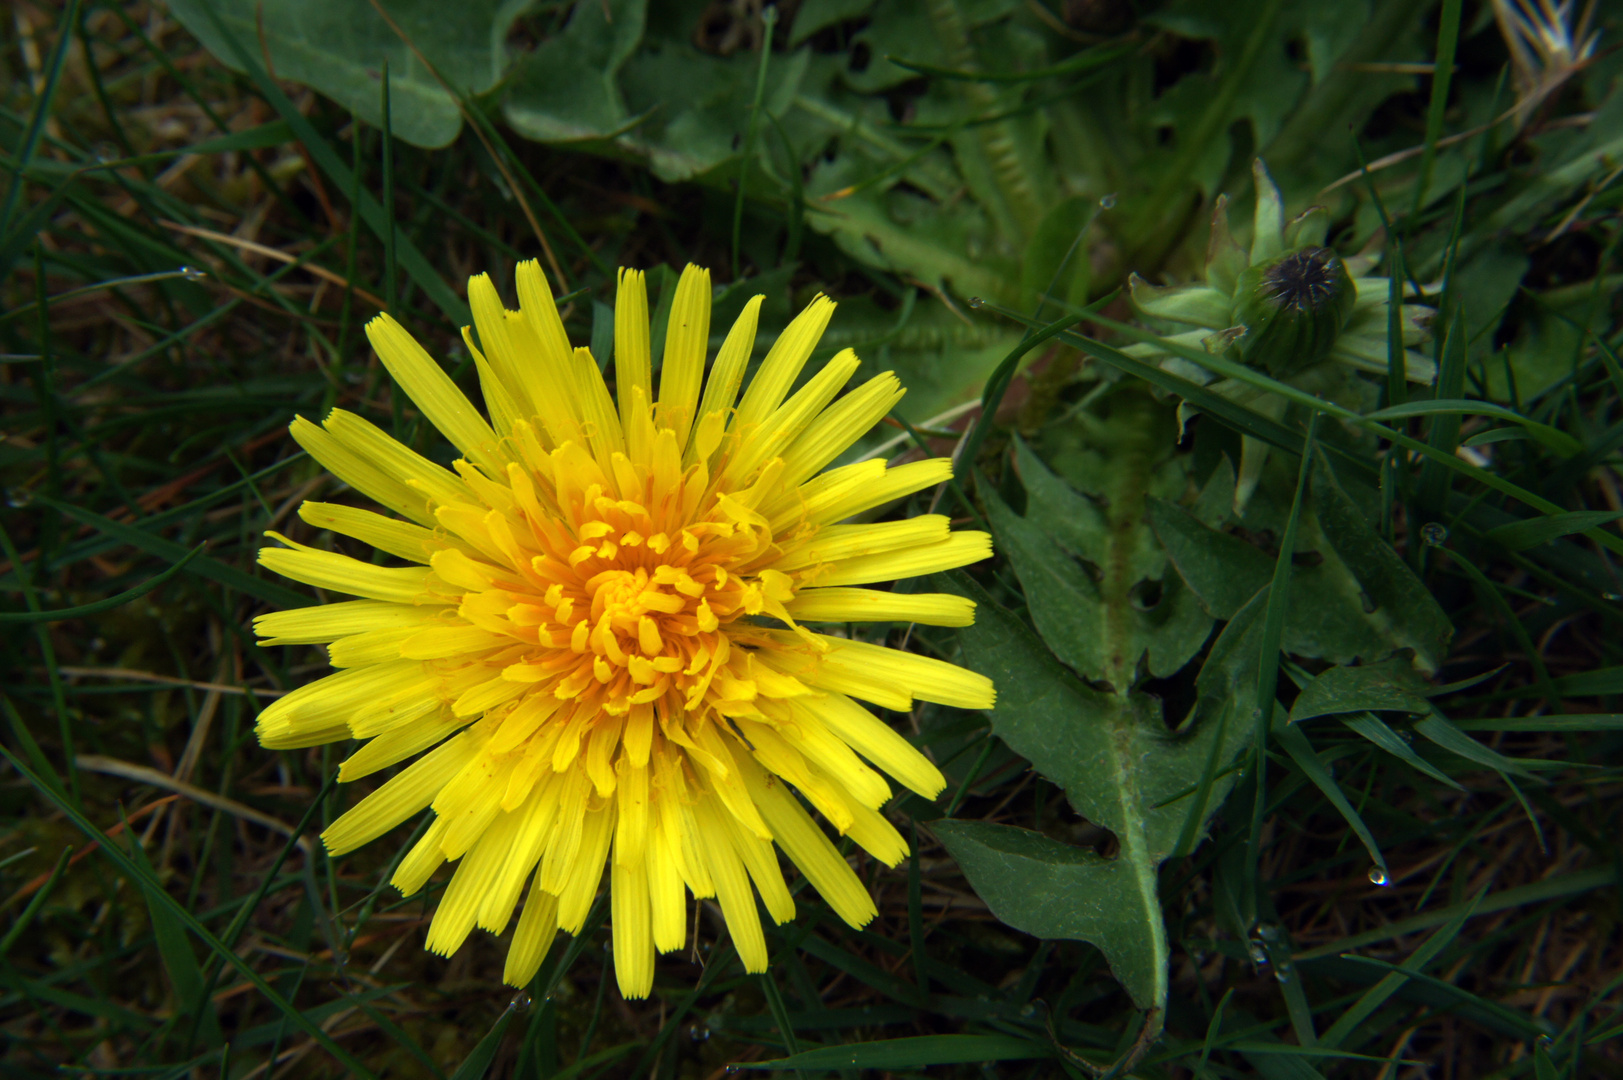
[[841, 604], [810, 850], [837, 542], [633, 929], [849, 489], [340, 573], [923, 677], [959, 549], [632, 358], [459, 905], [721, 391], [841, 425], [426, 383], [877, 741], [785, 424], [398, 538], [537, 928], [518, 381], [398, 743], [329, 622], [783, 362], [365, 474], [372, 444], [687, 339], [732, 886]]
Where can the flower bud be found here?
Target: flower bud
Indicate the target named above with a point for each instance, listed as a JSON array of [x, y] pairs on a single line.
[[1293, 306]]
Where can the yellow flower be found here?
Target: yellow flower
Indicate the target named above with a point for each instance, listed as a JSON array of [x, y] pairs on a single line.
[[604, 636]]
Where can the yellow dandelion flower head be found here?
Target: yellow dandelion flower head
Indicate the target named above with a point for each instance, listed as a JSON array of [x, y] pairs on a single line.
[[604, 644]]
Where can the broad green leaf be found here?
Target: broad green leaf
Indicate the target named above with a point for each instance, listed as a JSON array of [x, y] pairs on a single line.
[[1120, 768], [568, 89], [1054, 890], [1388, 686], [1222, 569], [918, 1052], [1099, 626], [338, 47], [1331, 616], [627, 79], [1521, 535]]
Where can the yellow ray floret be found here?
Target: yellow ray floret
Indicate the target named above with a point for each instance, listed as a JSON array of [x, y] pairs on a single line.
[[597, 655]]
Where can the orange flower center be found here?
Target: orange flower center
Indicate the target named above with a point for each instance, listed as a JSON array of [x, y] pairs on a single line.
[[628, 602]]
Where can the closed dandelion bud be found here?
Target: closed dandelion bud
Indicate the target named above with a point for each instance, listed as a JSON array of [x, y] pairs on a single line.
[[1293, 307]]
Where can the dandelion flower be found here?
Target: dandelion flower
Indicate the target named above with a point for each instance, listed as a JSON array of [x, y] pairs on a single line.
[[605, 643]]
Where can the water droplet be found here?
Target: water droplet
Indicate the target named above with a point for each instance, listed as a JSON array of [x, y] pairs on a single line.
[[1268, 932], [521, 1003], [1611, 596], [1259, 955], [1283, 973], [1028, 1011], [1434, 533], [18, 497], [105, 152], [192, 273], [976, 302], [1377, 875], [698, 1033], [340, 959], [1107, 202], [1545, 1041]]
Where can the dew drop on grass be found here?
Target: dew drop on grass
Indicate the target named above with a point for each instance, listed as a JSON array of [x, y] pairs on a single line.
[[1107, 202], [521, 1003], [18, 497], [192, 273], [1259, 955], [1611, 596], [1434, 533], [1377, 875], [1028, 1011], [975, 302]]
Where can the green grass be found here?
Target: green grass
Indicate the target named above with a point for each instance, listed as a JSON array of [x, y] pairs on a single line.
[[189, 255]]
